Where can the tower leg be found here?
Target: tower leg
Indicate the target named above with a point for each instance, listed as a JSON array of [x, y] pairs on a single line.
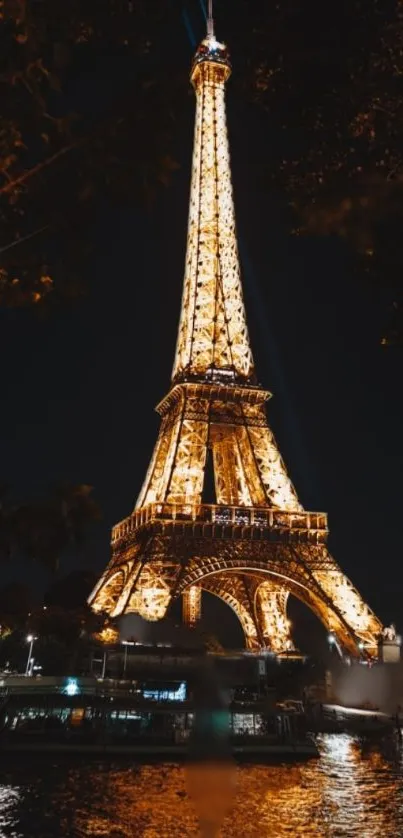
[[191, 606], [271, 611], [232, 590]]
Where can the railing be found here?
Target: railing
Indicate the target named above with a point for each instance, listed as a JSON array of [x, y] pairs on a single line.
[[99, 692], [243, 516]]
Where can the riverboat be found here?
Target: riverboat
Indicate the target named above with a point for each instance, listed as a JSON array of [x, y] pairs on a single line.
[[73, 716]]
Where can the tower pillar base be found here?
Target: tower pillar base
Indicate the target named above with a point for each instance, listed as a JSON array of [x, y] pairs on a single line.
[[191, 606]]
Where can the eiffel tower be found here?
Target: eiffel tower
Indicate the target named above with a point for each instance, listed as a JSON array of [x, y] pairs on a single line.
[[256, 545]]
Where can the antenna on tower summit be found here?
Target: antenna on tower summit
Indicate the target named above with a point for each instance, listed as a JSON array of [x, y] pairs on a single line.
[[210, 20]]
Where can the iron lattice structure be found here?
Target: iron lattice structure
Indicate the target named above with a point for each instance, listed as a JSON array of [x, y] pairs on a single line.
[[256, 545]]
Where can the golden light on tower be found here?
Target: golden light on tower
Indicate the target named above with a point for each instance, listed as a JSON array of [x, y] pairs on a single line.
[[108, 635], [191, 605], [212, 333], [256, 544]]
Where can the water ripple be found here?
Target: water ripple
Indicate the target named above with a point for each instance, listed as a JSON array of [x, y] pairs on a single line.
[[350, 791]]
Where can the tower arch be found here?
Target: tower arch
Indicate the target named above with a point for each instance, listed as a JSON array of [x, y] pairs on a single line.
[[266, 603]]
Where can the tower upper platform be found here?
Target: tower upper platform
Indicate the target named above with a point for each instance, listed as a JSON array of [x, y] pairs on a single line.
[[211, 52]]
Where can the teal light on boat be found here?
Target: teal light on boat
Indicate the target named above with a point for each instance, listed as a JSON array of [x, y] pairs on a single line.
[[71, 687]]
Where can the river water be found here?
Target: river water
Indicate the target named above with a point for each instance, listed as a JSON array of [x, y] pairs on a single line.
[[352, 790]]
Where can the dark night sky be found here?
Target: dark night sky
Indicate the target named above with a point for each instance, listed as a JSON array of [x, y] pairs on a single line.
[[79, 389]]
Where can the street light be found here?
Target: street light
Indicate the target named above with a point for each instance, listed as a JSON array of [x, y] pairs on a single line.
[[333, 642], [126, 643], [104, 666], [31, 640]]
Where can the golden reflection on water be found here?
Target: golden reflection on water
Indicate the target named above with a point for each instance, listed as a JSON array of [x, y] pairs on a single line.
[[9, 798], [349, 792]]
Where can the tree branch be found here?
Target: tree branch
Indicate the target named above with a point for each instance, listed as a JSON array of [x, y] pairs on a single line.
[[23, 239], [13, 184]]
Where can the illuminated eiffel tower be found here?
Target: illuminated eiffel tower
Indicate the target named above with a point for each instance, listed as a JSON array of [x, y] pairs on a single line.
[[256, 545]]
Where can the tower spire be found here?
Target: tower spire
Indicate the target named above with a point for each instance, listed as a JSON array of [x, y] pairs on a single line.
[[213, 337], [210, 20]]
